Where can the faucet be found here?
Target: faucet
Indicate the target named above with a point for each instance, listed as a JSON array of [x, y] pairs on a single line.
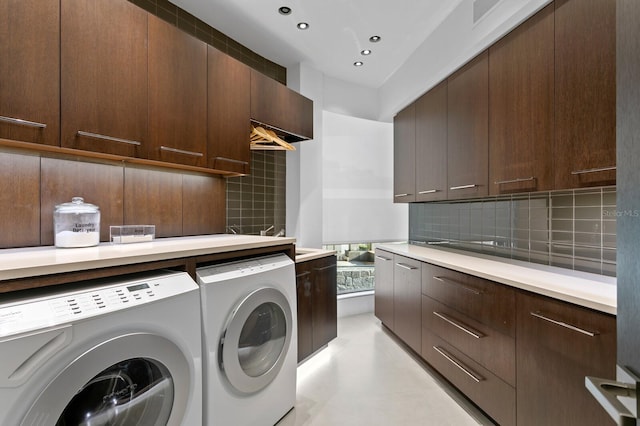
[[233, 229], [264, 232], [281, 233]]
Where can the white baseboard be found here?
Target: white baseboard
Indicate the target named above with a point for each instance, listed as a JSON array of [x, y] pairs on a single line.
[[355, 303]]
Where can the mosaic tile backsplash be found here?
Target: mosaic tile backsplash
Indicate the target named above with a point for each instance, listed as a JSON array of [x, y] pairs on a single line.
[[569, 229], [258, 201]]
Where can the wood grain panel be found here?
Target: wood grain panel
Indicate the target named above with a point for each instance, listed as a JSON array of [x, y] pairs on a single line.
[[177, 95], [229, 112], [30, 69], [521, 105], [104, 75], [467, 129], [384, 288], [585, 96], [153, 198], [98, 184], [325, 315], [407, 311], [203, 205], [19, 200], [304, 309], [404, 155]]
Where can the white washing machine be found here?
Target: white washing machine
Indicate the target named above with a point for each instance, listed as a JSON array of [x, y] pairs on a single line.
[[250, 342], [112, 353]]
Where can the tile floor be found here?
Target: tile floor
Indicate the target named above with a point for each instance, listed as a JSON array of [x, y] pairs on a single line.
[[365, 377]]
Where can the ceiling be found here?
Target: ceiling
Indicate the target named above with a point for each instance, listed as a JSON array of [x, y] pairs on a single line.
[[338, 31]]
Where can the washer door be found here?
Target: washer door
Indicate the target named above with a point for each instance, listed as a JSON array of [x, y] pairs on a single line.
[[255, 341], [139, 379]]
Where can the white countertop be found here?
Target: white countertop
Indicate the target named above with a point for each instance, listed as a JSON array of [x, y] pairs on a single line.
[[581, 288], [306, 254], [37, 261]]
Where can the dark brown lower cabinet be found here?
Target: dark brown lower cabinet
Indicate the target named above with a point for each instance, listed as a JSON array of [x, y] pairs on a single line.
[[407, 309], [558, 344], [317, 304], [383, 305]]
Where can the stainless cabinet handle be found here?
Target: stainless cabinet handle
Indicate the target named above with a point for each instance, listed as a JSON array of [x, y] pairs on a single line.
[[405, 266], [517, 180], [384, 259], [402, 195], [462, 286], [476, 378], [303, 274], [596, 170], [455, 188], [325, 268], [181, 151], [230, 160], [459, 325], [607, 392], [21, 122], [107, 138], [539, 315], [430, 191]]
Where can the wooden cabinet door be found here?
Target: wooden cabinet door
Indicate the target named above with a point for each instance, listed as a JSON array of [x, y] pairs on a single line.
[[104, 76], [30, 71], [431, 145], [407, 307], [278, 106], [467, 130], [325, 316], [304, 310], [383, 303], [585, 94], [404, 155], [177, 95], [521, 96], [229, 110], [558, 344]]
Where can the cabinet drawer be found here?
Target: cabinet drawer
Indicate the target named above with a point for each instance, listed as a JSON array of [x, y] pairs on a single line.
[[491, 394], [487, 302], [494, 351]]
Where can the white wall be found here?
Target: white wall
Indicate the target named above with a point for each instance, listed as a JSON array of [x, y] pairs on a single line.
[[346, 98], [358, 182]]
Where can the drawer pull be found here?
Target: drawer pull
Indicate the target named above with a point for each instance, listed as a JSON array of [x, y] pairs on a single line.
[[596, 170], [517, 180], [303, 274], [476, 378], [539, 315], [402, 195], [462, 286], [430, 191], [106, 138], [21, 122], [405, 266], [181, 151], [459, 325], [455, 188], [384, 259]]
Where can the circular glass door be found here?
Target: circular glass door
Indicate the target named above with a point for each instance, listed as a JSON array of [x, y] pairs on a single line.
[[136, 391], [254, 344]]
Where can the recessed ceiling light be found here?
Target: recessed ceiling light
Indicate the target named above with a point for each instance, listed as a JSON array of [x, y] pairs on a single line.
[[358, 64], [303, 26], [375, 39], [366, 52], [284, 10]]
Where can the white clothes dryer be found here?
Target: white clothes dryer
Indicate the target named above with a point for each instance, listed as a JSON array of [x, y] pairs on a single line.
[[106, 353], [249, 326]]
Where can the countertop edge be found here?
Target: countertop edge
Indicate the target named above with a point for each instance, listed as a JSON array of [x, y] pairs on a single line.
[[596, 293]]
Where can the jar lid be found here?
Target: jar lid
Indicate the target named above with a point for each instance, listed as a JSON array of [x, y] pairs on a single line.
[[77, 205]]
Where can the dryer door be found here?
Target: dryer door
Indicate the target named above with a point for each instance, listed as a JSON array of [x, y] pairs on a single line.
[[256, 339], [135, 379]]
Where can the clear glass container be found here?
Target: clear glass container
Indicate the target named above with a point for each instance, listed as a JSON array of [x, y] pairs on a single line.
[[76, 224]]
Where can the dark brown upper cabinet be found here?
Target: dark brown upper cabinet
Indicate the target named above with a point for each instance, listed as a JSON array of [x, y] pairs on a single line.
[[585, 95], [431, 145], [177, 95], [30, 71], [104, 77], [229, 113], [521, 98], [467, 130], [286, 111], [404, 155]]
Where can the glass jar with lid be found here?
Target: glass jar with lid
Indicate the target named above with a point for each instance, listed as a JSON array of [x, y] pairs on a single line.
[[76, 224]]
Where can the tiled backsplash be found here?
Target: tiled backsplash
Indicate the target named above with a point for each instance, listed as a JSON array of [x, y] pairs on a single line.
[[257, 202], [187, 22], [570, 229]]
